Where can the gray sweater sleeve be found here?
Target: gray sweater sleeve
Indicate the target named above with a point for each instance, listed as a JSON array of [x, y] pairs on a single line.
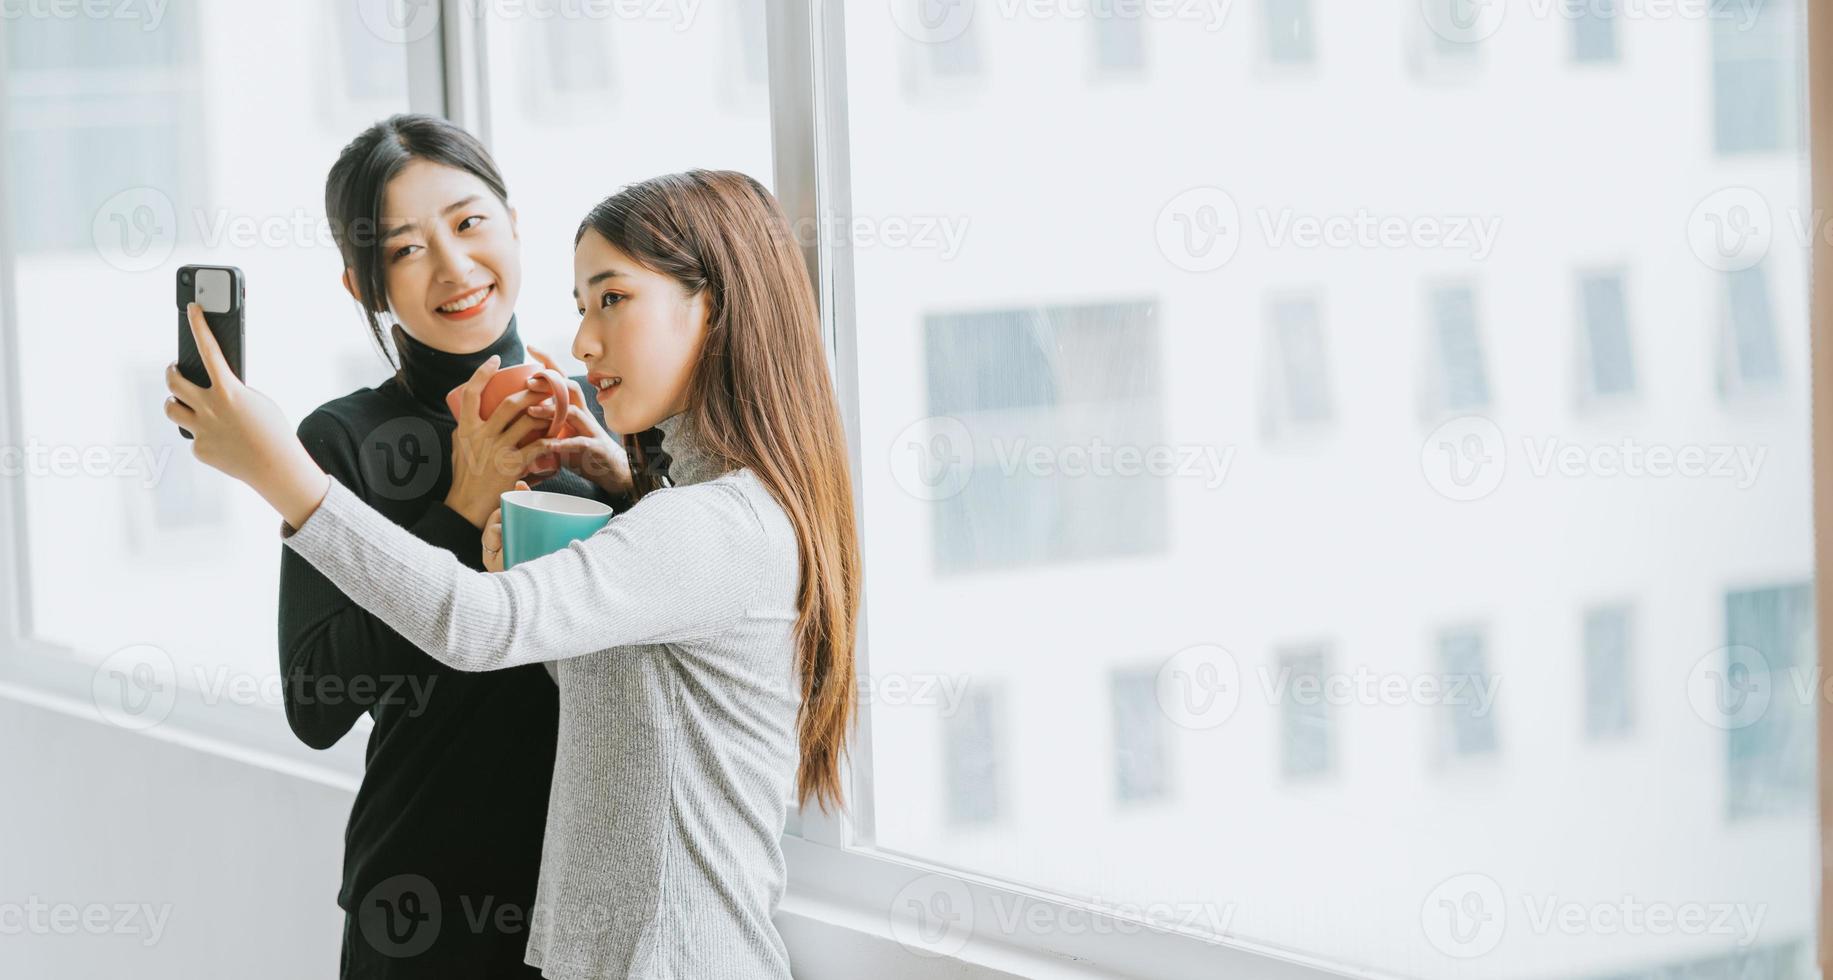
[[680, 565]]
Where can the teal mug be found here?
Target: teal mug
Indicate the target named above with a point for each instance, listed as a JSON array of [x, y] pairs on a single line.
[[536, 523]]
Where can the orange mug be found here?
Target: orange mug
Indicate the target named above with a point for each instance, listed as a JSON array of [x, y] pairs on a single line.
[[507, 381]]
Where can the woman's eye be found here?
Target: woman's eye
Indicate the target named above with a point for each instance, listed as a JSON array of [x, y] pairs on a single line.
[[403, 251], [469, 223], [609, 298]]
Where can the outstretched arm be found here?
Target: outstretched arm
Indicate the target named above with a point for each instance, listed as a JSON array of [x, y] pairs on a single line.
[[683, 564]]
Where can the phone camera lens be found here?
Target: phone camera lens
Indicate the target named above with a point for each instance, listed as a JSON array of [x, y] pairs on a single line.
[[184, 277]]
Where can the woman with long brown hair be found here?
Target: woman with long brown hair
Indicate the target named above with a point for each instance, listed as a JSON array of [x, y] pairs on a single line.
[[704, 637]]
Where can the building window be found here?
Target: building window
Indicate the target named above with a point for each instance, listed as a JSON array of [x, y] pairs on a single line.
[[1757, 71], [372, 65], [1142, 769], [1306, 745], [1608, 674], [970, 753], [1469, 728], [1120, 44], [96, 106], [1289, 32], [1769, 639], [1043, 391], [1594, 30], [1459, 383], [1296, 383], [1748, 355], [1609, 369], [578, 56]]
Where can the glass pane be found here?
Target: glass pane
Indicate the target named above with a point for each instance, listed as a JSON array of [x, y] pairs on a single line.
[[1224, 476], [195, 131], [588, 97]]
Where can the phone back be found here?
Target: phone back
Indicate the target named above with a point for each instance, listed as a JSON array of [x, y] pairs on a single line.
[[220, 290]]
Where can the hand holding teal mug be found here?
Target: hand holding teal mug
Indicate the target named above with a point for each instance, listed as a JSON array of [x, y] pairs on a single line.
[[537, 522]]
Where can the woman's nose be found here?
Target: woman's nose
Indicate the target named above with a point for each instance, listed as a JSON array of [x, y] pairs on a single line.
[[585, 346], [452, 264]]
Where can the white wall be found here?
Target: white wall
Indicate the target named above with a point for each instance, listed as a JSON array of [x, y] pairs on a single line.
[[246, 859], [239, 863]]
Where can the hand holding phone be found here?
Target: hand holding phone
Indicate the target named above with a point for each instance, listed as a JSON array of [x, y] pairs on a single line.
[[219, 289]]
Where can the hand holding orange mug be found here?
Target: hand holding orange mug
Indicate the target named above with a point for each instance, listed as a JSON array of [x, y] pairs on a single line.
[[497, 442]]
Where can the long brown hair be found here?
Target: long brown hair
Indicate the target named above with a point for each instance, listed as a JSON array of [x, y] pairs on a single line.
[[761, 398]]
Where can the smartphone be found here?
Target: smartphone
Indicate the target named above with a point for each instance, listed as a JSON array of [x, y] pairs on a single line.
[[219, 290]]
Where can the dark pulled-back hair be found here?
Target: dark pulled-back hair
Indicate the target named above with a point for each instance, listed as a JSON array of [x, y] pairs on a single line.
[[358, 180]]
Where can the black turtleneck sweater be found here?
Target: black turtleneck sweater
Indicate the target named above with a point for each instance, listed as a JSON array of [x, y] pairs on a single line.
[[445, 834]]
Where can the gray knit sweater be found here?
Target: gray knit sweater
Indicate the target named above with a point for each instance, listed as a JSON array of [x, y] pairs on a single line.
[[673, 628]]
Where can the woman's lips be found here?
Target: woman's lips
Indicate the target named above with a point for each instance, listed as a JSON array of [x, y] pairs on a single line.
[[475, 311]]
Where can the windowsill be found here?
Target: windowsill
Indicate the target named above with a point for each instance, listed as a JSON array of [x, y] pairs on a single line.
[[255, 735]]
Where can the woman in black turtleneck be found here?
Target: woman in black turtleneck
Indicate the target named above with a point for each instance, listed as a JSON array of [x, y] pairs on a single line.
[[444, 839]]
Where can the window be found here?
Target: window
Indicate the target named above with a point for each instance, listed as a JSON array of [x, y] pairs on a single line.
[[1469, 727], [939, 43], [1769, 647], [1609, 680], [1610, 364], [1305, 738], [1296, 379], [1120, 44], [1748, 356], [576, 54], [585, 98], [1116, 492], [1460, 382], [1288, 32], [1448, 37], [1594, 30], [748, 64], [1460, 645], [137, 143], [1142, 770], [972, 747], [1049, 395], [1756, 76]]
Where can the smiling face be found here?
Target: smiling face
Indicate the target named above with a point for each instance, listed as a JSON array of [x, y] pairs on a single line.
[[640, 334], [450, 255]]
